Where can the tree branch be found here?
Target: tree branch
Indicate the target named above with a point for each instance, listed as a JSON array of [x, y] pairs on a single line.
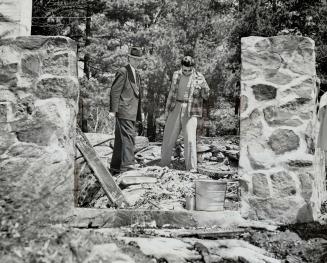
[[159, 12]]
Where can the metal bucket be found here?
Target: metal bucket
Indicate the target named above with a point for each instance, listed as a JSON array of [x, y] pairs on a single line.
[[190, 202], [210, 195]]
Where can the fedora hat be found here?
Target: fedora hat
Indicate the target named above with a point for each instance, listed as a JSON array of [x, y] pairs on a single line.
[[135, 52], [188, 61]]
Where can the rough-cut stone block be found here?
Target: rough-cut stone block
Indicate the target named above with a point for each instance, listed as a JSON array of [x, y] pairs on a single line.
[[283, 140], [243, 103], [278, 126], [260, 185], [8, 80], [283, 210], [264, 92], [40, 43], [8, 74], [278, 116], [9, 69], [260, 157], [276, 77], [302, 90], [36, 133], [295, 104], [282, 184], [306, 180], [25, 150], [6, 140], [31, 65], [30, 43], [262, 45], [300, 163], [45, 122], [58, 64], [253, 125], [7, 96], [57, 87], [60, 44], [264, 60]]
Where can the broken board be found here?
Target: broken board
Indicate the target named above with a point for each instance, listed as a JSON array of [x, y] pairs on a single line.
[[104, 177]]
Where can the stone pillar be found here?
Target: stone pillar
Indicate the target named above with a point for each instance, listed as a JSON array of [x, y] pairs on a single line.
[[278, 120], [15, 18], [38, 108]]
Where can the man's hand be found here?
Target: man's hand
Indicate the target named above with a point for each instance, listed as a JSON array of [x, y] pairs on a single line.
[[112, 114], [161, 120], [166, 116]]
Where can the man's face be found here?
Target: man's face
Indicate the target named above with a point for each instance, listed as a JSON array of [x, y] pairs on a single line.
[[135, 62], [187, 70]]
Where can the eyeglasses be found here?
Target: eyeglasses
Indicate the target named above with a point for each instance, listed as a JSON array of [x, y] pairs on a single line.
[[187, 70]]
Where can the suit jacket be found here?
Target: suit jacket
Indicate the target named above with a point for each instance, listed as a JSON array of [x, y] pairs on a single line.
[[126, 95]]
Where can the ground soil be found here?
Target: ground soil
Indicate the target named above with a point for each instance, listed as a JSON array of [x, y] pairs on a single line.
[[60, 243]]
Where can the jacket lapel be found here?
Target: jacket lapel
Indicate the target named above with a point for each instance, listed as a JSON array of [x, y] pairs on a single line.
[[132, 80]]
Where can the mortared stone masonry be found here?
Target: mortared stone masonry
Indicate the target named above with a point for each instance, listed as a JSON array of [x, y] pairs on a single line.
[[38, 108], [281, 177]]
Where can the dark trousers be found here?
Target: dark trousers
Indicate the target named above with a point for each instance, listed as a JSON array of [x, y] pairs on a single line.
[[123, 154]]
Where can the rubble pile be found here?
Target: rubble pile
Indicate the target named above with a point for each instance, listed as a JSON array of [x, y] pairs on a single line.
[[168, 192], [164, 188]]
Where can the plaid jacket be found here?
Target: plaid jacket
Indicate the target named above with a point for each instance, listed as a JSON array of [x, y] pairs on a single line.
[[198, 90]]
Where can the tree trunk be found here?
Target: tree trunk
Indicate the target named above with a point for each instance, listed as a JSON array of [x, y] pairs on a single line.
[[240, 5], [151, 126], [87, 42], [151, 122], [274, 5], [83, 120]]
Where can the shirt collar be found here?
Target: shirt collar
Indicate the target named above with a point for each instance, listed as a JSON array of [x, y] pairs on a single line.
[[180, 72]]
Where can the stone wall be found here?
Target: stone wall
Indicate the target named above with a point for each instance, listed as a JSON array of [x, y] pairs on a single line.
[[278, 125], [15, 18], [38, 107]]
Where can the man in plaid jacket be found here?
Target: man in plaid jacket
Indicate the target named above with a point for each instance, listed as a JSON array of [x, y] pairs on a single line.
[[183, 107]]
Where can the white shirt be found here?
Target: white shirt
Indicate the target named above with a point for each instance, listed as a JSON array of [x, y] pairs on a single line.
[[134, 73], [183, 88]]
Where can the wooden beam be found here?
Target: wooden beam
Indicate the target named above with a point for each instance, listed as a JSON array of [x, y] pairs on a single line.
[[213, 234], [106, 180]]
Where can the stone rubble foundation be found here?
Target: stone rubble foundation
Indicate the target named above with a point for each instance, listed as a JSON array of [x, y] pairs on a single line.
[[38, 107]]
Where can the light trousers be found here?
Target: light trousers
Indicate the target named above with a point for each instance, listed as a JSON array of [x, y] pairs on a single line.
[[178, 120]]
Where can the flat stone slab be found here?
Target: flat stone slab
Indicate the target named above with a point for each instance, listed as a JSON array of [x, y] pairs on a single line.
[[231, 249], [172, 250], [108, 253], [111, 218]]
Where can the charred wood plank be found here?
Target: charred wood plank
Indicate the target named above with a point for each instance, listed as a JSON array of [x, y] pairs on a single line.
[[214, 234], [104, 177]]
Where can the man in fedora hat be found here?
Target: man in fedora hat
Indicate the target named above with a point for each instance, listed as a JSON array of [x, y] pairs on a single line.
[[183, 107], [125, 104]]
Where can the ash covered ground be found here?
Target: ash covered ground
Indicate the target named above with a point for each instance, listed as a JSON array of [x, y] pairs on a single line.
[[155, 187]]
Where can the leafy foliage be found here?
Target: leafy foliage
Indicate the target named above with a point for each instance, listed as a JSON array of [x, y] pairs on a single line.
[[272, 17], [210, 30]]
